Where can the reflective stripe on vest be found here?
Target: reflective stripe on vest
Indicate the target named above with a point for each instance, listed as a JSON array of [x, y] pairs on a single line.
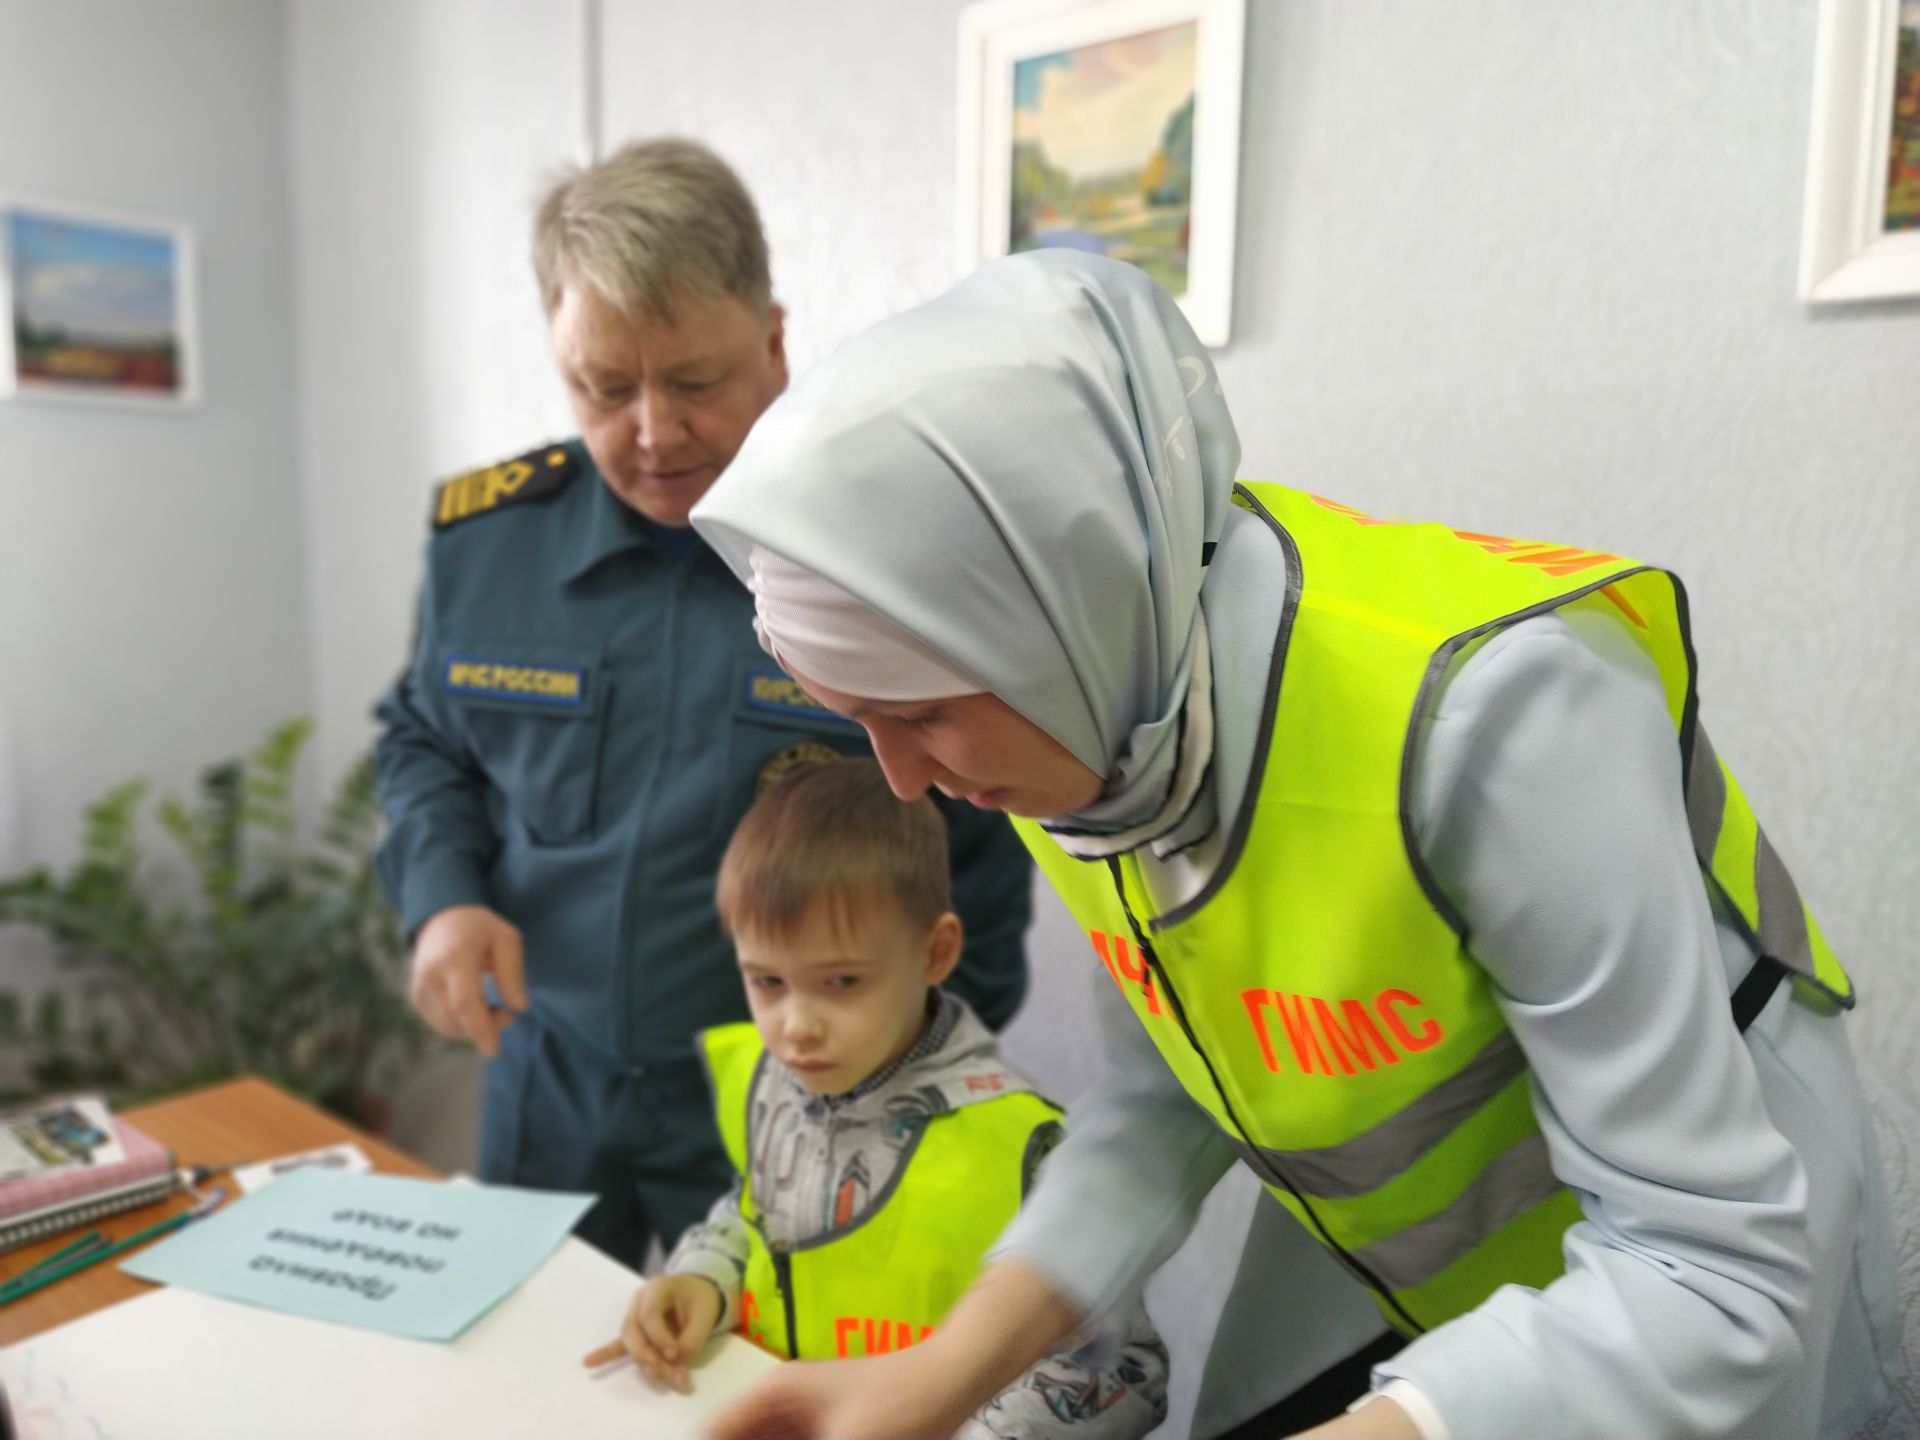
[[883, 1282], [1375, 1156], [1736, 851], [1316, 997]]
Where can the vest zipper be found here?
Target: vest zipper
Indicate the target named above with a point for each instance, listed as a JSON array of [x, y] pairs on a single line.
[[783, 1277], [1151, 958]]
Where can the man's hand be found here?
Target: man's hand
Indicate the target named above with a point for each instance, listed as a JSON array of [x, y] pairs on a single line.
[[669, 1321], [452, 953]]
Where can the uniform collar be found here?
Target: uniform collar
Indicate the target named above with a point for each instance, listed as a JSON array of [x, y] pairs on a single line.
[[604, 526]]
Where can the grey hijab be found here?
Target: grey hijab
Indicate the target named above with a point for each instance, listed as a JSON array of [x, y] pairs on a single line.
[[1027, 475]]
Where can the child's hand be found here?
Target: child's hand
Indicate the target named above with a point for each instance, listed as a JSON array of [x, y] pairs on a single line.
[[670, 1319]]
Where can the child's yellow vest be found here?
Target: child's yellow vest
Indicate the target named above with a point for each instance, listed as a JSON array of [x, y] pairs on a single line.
[[1316, 997], [885, 1281]]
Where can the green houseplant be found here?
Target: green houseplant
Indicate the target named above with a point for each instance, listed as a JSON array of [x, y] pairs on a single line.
[[251, 952]]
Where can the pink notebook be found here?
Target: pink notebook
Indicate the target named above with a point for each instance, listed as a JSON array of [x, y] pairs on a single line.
[[37, 1205]]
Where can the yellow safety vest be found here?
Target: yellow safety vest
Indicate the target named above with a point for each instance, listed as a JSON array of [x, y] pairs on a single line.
[[883, 1282], [1316, 997]]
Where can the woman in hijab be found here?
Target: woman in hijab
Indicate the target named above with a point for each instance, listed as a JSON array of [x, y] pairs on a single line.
[[1422, 891]]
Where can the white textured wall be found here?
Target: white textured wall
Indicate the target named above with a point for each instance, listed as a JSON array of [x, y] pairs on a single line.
[[420, 135], [150, 603], [838, 114]]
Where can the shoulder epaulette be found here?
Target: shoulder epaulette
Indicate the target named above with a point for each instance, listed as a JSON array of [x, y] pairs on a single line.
[[533, 476]]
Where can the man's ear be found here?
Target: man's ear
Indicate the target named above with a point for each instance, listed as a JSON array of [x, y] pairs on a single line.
[[777, 342], [943, 941]]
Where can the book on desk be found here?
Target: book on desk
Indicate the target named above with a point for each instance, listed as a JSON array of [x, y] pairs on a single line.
[[35, 1206]]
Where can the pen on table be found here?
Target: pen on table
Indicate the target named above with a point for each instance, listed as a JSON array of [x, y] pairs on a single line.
[[25, 1285], [88, 1241]]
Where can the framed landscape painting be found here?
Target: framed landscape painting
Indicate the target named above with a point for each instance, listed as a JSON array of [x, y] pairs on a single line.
[[1111, 126], [1860, 239], [100, 307]]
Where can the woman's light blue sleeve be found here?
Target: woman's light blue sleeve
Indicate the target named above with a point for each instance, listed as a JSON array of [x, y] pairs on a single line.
[[1549, 806], [1122, 1191]]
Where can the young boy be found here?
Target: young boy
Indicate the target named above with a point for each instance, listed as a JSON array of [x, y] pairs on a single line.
[[881, 1141]]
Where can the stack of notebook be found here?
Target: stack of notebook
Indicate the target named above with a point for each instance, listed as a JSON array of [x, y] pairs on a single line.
[[36, 1205]]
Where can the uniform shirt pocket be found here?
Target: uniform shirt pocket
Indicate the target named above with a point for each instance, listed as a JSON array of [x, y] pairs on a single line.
[[777, 726], [534, 717]]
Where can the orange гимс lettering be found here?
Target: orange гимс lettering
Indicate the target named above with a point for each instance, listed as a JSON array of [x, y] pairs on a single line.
[[1118, 956], [1314, 1030]]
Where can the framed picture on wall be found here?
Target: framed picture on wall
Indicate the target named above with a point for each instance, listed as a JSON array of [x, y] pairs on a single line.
[[100, 306], [1861, 235], [1106, 125]]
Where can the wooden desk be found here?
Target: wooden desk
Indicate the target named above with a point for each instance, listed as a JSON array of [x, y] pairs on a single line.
[[235, 1123]]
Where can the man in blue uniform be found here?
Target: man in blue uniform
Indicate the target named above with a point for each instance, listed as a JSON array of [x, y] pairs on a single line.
[[587, 712]]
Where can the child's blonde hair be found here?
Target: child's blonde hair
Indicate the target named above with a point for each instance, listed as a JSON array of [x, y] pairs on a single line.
[[832, 834]]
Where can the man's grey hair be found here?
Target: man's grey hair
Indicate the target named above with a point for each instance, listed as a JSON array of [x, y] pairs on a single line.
[[655, 220]]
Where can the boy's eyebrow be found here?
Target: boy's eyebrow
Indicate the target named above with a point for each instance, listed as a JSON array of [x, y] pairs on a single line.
[[828, 962]]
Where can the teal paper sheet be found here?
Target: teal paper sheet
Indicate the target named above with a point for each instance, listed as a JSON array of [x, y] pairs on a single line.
[[419, 1258]]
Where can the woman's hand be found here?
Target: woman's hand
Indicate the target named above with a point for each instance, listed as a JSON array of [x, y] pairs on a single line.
[[909, 1395], [1010, 1318], [1378, 1419], [668, 1323]]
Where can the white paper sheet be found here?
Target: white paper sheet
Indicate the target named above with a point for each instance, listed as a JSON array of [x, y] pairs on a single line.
[[344, 1156], [176, 1365]]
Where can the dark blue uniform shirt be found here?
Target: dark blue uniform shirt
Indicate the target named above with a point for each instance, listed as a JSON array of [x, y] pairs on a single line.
[[584, 718]]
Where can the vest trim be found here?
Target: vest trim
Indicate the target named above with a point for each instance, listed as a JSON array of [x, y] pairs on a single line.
[[1382, 1154], [1263, 738], [1752, 994], [1040, 1143], [874, 1206], [1706, 796], [1437, 668], [1780, 935], [1783, 923], [1513, 1182], [1169, 826]]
